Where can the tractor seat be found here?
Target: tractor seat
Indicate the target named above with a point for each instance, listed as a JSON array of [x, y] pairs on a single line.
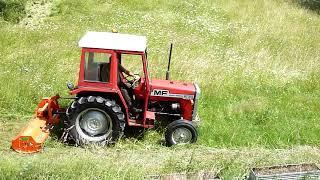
[[104, 72]]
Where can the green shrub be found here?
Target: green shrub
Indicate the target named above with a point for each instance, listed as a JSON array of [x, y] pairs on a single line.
[[310, 4], [65, 7], [12, 10]]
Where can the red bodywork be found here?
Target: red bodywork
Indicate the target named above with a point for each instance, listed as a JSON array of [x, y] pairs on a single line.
[[176, 88], [182, 93]]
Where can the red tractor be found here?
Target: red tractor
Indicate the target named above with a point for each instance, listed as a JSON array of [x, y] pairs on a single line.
[[108, 98]]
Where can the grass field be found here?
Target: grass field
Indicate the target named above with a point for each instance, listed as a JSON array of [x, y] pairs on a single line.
[[257, 63]]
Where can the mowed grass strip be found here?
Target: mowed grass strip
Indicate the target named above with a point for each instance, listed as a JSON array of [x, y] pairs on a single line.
[[136, 161]]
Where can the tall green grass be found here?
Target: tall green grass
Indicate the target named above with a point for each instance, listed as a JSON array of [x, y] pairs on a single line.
[[257, 63]]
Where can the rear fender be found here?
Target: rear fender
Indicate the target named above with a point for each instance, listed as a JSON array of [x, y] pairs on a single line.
[[115, 95]]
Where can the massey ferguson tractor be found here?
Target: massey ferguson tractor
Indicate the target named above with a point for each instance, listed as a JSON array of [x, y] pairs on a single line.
[[108, 98]]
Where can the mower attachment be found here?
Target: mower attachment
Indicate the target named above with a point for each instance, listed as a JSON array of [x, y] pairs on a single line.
[[32, 136]]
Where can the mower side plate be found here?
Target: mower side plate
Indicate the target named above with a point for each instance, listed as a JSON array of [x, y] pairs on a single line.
[[31, 137]]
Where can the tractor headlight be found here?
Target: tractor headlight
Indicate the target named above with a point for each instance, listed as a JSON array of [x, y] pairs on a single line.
[[70, 86]]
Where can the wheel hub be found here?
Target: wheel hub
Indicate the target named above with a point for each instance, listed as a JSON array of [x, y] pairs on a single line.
[[94, 122], [181, 136]]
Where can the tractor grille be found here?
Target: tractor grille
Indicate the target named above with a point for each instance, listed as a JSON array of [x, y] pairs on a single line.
[[196, 99]]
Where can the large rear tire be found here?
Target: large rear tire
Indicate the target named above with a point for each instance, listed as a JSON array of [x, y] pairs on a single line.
[[94, 120]]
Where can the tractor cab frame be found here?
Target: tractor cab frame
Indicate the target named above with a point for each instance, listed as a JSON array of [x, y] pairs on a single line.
[[102, 76]]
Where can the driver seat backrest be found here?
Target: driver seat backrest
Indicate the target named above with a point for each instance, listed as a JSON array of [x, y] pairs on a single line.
[[104, 72], [126, 96]]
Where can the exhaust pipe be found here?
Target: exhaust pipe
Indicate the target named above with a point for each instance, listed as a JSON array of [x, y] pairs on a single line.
[[168, 70]]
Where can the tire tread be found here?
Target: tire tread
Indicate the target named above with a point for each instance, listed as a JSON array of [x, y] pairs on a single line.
[[109, 105]]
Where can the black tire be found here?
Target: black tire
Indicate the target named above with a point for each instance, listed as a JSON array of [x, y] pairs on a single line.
[[180, 126], [86, 114]]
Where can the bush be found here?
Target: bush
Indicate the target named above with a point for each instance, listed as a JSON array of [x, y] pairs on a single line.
[[310, 4], [65, 7], [12, 10]]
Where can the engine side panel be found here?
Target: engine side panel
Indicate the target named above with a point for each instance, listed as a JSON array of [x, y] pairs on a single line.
[[164, 105], [169, 92]]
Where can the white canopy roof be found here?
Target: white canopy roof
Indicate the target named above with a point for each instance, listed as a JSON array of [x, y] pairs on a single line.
[[117, 41]]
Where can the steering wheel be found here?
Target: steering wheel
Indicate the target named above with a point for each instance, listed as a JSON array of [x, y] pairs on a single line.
[[134, 81]]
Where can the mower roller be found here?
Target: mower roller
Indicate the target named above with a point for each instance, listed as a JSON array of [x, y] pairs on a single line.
[[108, 98]]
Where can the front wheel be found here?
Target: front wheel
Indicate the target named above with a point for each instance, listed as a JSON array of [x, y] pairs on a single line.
[[180, 132]]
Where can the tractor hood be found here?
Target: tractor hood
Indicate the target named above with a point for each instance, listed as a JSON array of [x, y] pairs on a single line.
[[173, 89]]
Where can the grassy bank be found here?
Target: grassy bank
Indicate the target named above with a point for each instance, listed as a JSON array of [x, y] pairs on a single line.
[[257, 64]]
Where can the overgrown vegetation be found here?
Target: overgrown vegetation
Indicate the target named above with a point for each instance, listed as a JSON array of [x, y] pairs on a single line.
[[12, 10], [257, 63], [310, 4]]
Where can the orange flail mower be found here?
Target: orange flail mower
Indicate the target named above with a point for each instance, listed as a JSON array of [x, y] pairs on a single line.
[[32, 136]]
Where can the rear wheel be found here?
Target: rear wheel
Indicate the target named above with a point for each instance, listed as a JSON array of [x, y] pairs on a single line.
[[94, 120], [180, 132]]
